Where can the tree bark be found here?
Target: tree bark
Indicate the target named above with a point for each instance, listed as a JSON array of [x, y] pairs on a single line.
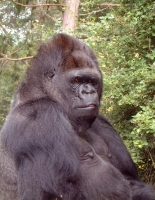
[[70, 14]]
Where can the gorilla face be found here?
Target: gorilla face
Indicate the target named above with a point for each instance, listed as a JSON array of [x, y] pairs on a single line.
[[80, 86], [84, 91]]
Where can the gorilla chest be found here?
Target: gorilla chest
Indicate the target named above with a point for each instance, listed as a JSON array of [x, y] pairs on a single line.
[[97, 146]]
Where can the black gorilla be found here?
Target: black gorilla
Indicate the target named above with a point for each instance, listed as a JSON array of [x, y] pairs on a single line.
[[62, 148]]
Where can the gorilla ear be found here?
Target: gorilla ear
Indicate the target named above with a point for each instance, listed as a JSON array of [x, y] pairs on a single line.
[[49, 75]]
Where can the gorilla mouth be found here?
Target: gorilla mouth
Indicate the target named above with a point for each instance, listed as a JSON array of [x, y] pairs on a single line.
[[91, 105]]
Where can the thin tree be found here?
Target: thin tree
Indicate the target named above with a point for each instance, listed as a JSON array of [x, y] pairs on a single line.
[[70, 14]]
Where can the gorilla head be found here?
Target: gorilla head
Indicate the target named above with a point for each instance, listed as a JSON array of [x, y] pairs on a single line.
[[68, 73]]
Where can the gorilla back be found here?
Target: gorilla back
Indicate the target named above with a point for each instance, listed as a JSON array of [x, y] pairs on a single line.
[[62, 148]]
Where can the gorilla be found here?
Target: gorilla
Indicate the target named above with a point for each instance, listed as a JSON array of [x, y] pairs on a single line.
[[58, 144]]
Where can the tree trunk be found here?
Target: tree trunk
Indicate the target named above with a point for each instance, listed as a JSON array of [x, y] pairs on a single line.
[[70, 14]]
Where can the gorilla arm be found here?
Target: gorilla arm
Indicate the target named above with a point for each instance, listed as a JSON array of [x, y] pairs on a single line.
[[44, 149], [8, 178], [121, 159]]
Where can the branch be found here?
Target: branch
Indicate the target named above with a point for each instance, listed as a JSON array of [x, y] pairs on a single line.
[[108, 4], [47, 14], [151, 157], [36, 5], [4, 29], [15, 59], [93, 12]]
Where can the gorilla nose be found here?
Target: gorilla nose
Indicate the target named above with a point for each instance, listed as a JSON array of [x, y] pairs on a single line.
[[87, 89], [87, 94]]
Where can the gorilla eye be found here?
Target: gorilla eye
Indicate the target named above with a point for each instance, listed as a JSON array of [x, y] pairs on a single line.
[[76, 80], [49, 75], [75, 83], [94, 82]]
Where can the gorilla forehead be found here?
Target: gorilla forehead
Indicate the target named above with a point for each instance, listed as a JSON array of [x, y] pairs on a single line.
[[65, 52], [85, 72], [79, 60], [67, 44]]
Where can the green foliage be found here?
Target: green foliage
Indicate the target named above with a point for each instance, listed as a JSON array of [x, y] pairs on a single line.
[[9, 79]]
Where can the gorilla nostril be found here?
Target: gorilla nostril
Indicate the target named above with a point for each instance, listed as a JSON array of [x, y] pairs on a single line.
[[88, 89]]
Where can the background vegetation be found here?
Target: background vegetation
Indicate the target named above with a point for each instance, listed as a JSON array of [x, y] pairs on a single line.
[[122, 33]]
